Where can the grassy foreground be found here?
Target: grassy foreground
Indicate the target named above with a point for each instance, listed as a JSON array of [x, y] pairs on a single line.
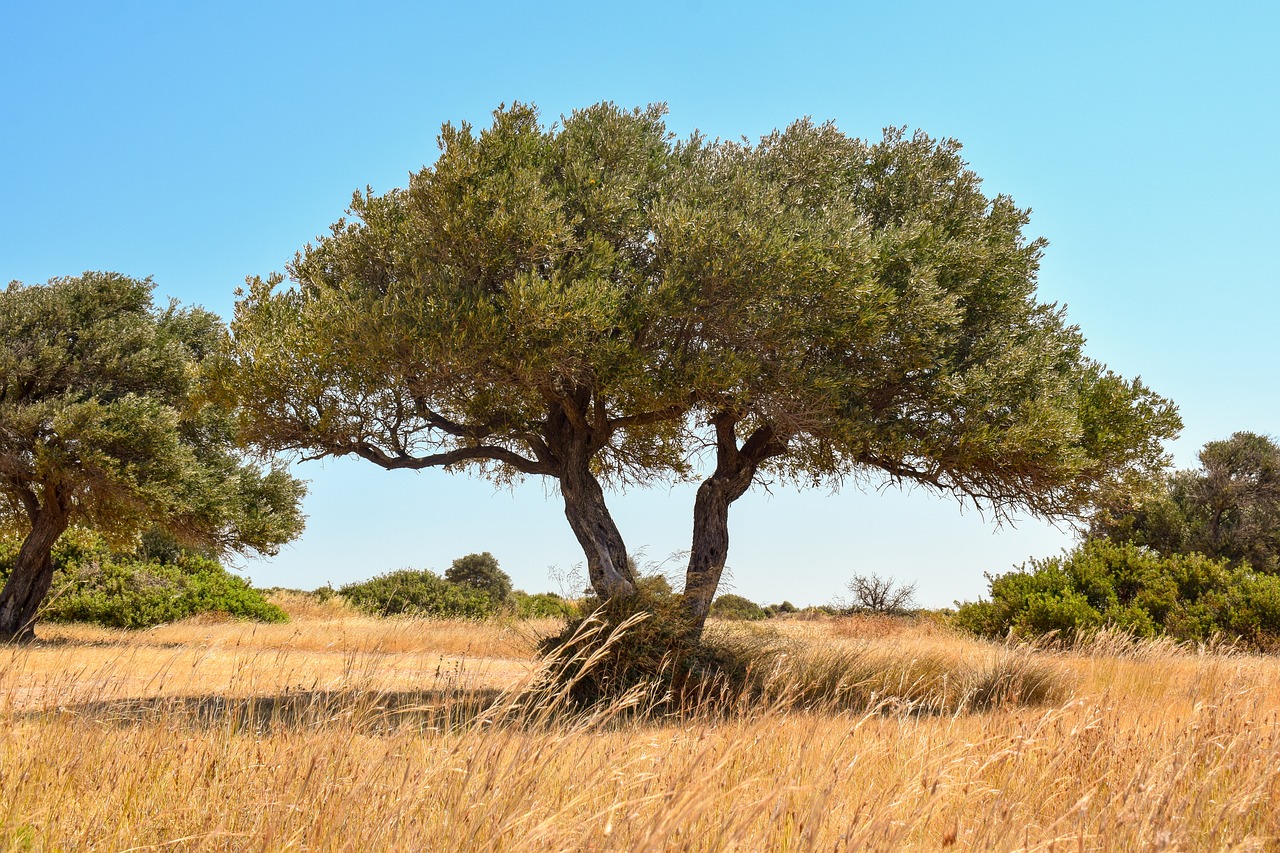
[[338, 732]]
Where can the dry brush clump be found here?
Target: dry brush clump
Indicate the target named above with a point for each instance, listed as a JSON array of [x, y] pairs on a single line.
[[113, 741]]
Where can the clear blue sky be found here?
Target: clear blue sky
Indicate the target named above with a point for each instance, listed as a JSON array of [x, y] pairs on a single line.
[[200, 143]]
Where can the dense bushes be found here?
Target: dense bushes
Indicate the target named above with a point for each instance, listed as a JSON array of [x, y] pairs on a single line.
[[409, 592], [473, 588], [541, 605], [93, 584], [1108, 584]]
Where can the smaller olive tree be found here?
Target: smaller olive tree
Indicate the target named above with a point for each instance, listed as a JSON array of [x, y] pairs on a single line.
[[101, 425], [1228, 508], [481, 571]]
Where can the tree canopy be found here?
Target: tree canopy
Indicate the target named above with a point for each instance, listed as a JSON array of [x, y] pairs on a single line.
[[598, 302], [864, 309], [504, 314], [480, 571], [100, 425]]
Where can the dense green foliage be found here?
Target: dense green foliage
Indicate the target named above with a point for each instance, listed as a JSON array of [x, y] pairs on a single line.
[[102, 424], [92, 583], [1119, 585], [473, 587], [410, 592], [865, 310], [482, 572], [1229, 508], [542, 605], [100, 418], [577, 301], [736, 607]]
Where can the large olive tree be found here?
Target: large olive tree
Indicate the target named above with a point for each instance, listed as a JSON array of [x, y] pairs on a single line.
[[582, 301], [100, 425]]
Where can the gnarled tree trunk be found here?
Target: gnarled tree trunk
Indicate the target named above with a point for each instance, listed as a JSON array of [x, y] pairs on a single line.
[[574, 442], [597, 533], [32, 576], [735, 469]]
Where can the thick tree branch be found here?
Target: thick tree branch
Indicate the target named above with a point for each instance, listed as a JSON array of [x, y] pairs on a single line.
[[380, 457]]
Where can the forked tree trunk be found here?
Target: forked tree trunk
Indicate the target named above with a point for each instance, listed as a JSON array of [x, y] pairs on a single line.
[[32, 576], [709, 551], [601, 541]]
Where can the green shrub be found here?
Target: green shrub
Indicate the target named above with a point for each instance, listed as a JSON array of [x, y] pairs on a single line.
[[409, 592], [730, 606], [1103, 583], [93, 584], [542, 605]]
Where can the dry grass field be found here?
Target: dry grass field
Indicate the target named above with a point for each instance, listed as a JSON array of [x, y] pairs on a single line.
[[337, 732]]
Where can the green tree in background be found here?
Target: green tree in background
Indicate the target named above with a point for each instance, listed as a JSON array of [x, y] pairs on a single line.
[[481, 571], [99, 427], [1228, 509]]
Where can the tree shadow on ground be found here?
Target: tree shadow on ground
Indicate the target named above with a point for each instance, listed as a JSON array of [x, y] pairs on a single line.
[[372, 712]]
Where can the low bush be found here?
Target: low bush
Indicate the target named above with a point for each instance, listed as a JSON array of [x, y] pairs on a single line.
[[736, 607], [541, 605], [410, 592], [91, 583], [621, 645], [1103, 584]]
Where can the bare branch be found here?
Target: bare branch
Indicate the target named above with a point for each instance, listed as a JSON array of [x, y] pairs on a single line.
[[380, 457]]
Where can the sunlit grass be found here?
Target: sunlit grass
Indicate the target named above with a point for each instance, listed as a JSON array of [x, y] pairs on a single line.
[[337, 732]]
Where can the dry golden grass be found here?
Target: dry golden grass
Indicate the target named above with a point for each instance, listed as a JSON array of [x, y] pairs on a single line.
[[341, 733]]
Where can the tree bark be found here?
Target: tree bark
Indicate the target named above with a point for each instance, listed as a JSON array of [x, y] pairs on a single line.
[[597, 533], [735, 470], [589, 517], [32, 576]]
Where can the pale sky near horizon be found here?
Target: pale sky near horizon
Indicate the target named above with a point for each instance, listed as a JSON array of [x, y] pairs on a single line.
[[200, 143]]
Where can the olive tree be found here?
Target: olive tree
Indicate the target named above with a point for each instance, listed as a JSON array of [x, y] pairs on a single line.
[[100, 426], [504, 314], [865, 310], [1228, 508], [597, 301], [481, 571]]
